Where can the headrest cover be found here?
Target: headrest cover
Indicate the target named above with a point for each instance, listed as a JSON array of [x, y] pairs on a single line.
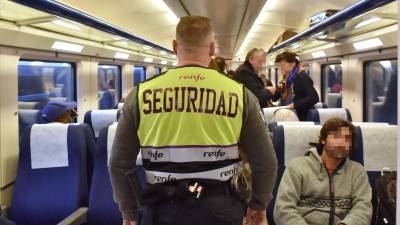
[[110, 140], [48, 143], [380, 147], [298, 139], [102, 119], [325, 114]]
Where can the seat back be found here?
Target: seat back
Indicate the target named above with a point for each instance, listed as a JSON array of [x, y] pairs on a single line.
[[52, 180], [106, 100], [290, 141], [322, 115], [99, 119], [102, 208], [26, 118], [334, 100], [377, 148]]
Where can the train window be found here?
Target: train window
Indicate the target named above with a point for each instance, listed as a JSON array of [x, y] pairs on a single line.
[[332, 85], [109, 86], [380, 91], [139, 74], [40, 82]]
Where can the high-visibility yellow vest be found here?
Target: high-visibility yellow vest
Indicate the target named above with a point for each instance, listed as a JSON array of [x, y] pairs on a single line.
[[190, 123]]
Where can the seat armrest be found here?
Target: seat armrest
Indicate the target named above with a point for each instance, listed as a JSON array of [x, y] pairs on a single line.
[[78, 217]]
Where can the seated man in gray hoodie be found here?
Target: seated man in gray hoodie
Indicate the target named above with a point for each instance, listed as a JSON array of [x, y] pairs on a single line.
[[324, 187]]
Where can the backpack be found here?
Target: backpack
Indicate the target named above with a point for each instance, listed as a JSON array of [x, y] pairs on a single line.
[[385, 188]]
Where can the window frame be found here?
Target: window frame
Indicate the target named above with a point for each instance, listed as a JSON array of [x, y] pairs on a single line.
[[364, 76], [323, 79], [73, 68], [119, 77]]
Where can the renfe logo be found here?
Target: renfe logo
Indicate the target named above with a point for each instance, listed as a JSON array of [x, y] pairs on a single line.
[[229, 173], [162, 179], [192, 77], [214, 154], [155, 155]]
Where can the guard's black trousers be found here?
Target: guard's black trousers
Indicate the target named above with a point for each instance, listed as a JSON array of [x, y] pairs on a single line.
[[224, 209]]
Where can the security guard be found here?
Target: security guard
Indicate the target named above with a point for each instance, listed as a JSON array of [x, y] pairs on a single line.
[[189, 123]]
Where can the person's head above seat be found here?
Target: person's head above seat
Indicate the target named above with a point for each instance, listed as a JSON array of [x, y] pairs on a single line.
[[59, 112], [287, 61], [257, 58], [285, 115], [336, 138], [194, 43]]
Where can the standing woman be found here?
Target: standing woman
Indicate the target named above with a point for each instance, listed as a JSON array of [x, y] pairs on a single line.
[[304, 96]]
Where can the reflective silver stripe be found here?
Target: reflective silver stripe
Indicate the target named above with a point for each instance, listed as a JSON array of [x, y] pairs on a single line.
[[222, 174], [190, 154]]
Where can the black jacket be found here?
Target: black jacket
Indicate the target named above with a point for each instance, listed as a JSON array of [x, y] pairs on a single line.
[[305, 95], [246, 75]]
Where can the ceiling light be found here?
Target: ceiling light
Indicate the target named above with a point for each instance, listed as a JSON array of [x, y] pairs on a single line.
[[174, 56], [36, 63], [117, 38], [148, 59], [146, 47], [67, 46], [318, 54], [367, 22], [323, 36], [164, 62], [163, 53], [121, 55], [66, 25], [371, 43], [175, 63], [123, 42]]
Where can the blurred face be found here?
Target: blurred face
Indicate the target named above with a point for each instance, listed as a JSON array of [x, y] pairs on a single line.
[[257, 61], [286, 67], [338, 144]]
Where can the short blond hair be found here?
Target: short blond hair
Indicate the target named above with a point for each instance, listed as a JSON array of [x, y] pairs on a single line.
[[193, 31]]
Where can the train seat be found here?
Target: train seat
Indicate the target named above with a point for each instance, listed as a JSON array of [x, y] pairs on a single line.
[[53, 164], [376, 148], [334, 100], [27, 117], [102, 208], [99, 119], [322, 115], [106, 100], [290, 142]]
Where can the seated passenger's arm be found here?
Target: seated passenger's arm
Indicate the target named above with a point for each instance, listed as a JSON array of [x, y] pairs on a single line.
[[257, 144], [361, 211], [285, 211], [123, 158]]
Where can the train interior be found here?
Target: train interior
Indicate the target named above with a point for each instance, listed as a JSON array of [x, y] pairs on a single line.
[[96, 52]]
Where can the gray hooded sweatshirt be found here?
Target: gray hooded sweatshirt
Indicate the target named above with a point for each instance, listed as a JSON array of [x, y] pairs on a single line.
[[307, 195]]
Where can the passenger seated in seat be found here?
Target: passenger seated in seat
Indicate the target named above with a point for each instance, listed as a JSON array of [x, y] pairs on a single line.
[[59, 112], [324, 186]]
